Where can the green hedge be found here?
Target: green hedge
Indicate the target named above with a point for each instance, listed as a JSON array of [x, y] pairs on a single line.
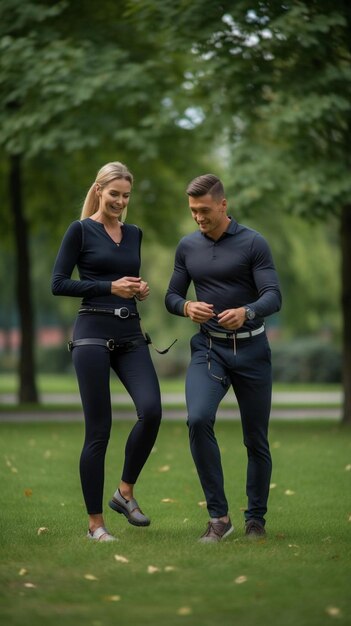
[[306, 360]]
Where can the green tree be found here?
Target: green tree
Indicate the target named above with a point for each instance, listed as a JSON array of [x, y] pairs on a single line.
[[273, 80], [75, 87]]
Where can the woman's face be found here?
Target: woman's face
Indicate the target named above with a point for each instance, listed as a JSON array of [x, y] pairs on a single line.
[[114, 197]]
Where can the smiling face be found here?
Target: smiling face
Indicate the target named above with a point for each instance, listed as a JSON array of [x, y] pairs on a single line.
[[113, 198], [210, 214]]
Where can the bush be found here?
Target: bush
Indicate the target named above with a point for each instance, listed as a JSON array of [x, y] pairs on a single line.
[[307, 360]]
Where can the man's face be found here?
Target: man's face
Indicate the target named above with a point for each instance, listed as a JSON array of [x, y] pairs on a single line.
[[210, 214]]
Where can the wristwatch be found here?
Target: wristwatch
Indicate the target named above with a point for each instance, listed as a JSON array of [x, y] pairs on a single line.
[[250, 314]]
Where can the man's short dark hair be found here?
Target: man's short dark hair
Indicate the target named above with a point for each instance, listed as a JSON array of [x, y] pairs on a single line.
[[206, 184]]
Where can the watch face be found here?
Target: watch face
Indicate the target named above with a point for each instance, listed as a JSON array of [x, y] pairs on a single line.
[[250, 314]]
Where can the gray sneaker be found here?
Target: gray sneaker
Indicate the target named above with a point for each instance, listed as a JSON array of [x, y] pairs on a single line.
[[254, 529], [101, 534], [129, 508], [216, 531]]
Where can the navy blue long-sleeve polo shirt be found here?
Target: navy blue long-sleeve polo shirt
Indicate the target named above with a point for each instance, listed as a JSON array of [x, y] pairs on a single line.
[[100, 261], [234, 271]]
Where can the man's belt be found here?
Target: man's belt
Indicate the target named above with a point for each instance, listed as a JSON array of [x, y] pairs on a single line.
[[234, 334], [123, 312]]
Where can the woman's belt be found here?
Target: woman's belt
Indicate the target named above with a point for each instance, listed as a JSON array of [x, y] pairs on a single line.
[[123, 312]]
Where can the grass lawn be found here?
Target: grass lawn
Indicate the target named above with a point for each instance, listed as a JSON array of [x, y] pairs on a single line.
[[300, 575]]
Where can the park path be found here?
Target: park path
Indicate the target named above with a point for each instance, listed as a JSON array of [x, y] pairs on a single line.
[[291, 406], [305, 398]]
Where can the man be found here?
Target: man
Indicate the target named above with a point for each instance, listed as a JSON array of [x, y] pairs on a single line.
[[236, 287]]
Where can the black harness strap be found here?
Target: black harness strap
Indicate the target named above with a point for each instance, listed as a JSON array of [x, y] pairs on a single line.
[[110, 344]]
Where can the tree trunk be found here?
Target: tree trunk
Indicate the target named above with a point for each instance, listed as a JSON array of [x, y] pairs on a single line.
[[346, 309], [27, 387]]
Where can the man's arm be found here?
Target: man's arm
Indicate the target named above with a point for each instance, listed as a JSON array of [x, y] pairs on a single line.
[[175, 299], [267, 284], [266, 280]]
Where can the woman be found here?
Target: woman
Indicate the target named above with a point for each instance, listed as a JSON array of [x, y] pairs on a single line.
[[106, 335]]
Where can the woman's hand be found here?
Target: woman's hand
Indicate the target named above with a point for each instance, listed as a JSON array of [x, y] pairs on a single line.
[[144, 291], [126, 287]]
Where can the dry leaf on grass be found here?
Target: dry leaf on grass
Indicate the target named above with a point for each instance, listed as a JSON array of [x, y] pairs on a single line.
[[170, 568], [164, 468], [167, 500], [202, 503], [42, 530], [121, 559], [30, 585], [90, 577], [22, 572], [112, 598], [28, 492], [272, 485], [184, 610], [240, 580], [151, 569], [289, 492], [348, 467], [333, 611]]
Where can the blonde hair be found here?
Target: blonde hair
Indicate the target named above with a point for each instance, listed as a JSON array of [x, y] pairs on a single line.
[[109, 172]]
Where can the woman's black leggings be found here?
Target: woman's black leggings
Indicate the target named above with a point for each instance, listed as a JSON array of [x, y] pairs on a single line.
[[136, 371]]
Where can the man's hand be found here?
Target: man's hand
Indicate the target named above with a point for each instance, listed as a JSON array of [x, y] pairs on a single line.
[[126, 287], [232, 319], [200, 312]]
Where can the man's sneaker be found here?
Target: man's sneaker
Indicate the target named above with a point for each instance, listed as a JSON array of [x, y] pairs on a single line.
[[216, 531], [254, 529]]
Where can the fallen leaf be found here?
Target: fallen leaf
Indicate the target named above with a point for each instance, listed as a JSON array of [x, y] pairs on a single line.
[[151, 569], [29, 585], [121, 559], [170, 568], [167, 500], [42, 530], [349, 518], [164, 468], [202, 503], [289, 492], [184, 610], [272, 485], [112, 598], [240, 580], [293, 545], [348, 467], [186, 519], [14, 470], [22, 572], [28, 492], [333, 611], [90, 577]]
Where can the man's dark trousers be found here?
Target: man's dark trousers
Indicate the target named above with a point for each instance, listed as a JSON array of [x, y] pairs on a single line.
[[246, 365]]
